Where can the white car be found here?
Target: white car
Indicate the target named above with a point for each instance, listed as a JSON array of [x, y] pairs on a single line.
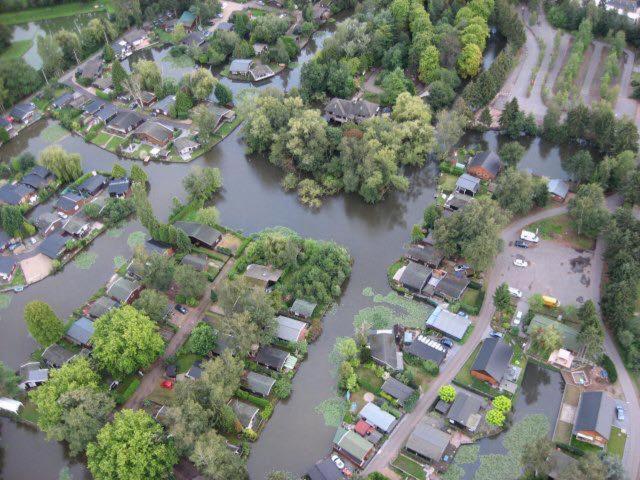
[[518, 318], [518, 262], [338, 461], [514, 292]]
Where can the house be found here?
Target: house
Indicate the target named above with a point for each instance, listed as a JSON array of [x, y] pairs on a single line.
[[56, 356], [124, 291], [135, 38], [272, 357], [31, 375], [493, 361], [147, 98], [290, 330], [5, 124], [104, 83], [451, 288], [101, 306], [10, 405], [397, 390], [415, 276], [262, 276], [260, 48], [325, 470], [427, 349], [8, 266], [558, 189], [162, 107], [119, 187], [356, 111], [194, 39], [197, 262], [53, 246], [464, 411], [221, 114], [195, 371], [594, 418], [457, 201], [258, 383], [246, 414], [427, 441], [34, 181], [155, 133], [241, 67], [91, 70], [106, 114], [69, 203], [356, 448], [302, 308], [79, 101], [467, 184], [226, 27], [185, 146], [92, 185], [188, 20], [124, 122], [362, 428], [223, 342], [568, 334], [444, 321], [47, 223], [76, 226], [121, 49], [15, 194], [200, 234], [561, 358], [62, 101], [80, 331], [384, 349], [42, 172], [153, 246], [5, 240], [485, 165], [23, 112], [424, 254]]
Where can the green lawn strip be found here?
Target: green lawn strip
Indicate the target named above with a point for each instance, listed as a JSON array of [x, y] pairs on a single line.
[[114, 143], [29, 412], [127, 388], [409, 466], [448, 182], [617, 439], [185, 361], [563, 432], [17, 49], [368, 379], [46, 13], [560, 227], [467, 334]]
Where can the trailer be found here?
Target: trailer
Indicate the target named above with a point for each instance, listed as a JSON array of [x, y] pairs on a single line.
[[530, 236]]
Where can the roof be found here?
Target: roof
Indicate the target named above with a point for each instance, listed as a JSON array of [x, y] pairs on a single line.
[[10, 405], [13, 194], [93, 183], [102, 306], [223, 342], [155, 130], [92, 68], [122, 289], [187, 17], [165, 103], [7, 264], [428, 441], [194, 38], [56, 355], [263, 273], [119, 186], [397, 389], [126, 120], [415, 276], [135, 34], [181, 143], [558, 187], [22, 109], [200, 232], [68, 201], [258, 383], [302, 308], [487, 160], [154, 246], [427, 254], [93, 106], [271, 357], [595, 413], [62, 100], [463, 407], [74, 225], [493, 358], [352, 443], [427, 349], [240, 65], [226, 26], [81, 331], [377, 417], [107, 113], [449, 323], [258, 48], [53, 245], [244, 412], [195, 371], [289, 329], [569, 334], [468, 182], [4, 123], [383, 348], [451, 286], [34, 181], [351, 108], [198, 262], [325, 470], [40, 171], [103, 83]]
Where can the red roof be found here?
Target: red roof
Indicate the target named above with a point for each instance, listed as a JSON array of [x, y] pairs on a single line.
[[363, 428]]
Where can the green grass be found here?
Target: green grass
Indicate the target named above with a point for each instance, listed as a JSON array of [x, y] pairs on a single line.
[[472, 297], [54, 133], [559, 228], [467, 334], [448, 182], [47, 13], [114, 143], [368, 379], [127, 388], [464, 376], [184, 362], [407, 465], [101, 138], [584, 446], [16, 49], [256, 12], [563, 432], [617, 439], [29, 412]]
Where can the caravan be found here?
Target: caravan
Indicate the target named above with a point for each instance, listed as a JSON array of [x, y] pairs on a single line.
[[530, 236]]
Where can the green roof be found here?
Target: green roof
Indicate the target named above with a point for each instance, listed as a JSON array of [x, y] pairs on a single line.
[[187, 17], [568, 333], [352, 443]]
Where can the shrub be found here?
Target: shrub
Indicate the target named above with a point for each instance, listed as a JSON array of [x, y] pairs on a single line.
[[447, 393], [126, 394], [495, 417], [214, 296], [502, 403], [607, 364], [282, 388], [257, 401], [266, 412], [410, 403], [249, 434]]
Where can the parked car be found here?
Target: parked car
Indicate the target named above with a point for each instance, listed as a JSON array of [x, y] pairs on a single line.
[[521, 244], [446, 342], [338, 461], [519, 262], [620, 412], [168, 384], [461, 267], [518, 318], [181, 308], [495, 334], [514, 292]]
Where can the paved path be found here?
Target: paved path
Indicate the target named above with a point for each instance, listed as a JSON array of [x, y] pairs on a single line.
[[594, 61], [626, 105], [155, 374]]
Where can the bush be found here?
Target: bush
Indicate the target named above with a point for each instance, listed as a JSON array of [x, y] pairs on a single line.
[[126, 394], [214, 296], [282, 388], [570, 449], [266, 412], [607, 364], [252, 399], [410, 403]]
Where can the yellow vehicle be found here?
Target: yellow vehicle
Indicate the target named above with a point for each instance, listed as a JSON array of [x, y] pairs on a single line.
[[550, 302]]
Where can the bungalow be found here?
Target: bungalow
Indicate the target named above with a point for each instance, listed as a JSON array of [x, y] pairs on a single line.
[[493, 361], [124, 291], [23, 112], [452, 325], [53, 246], [106, 113], [101, 306], [154, 133], [119, 187], [15, 194], [104, 83], [427, 349], [147, 98], [415, 277], [397, 390], [197, 262], [226, 27], [188, 20], [162, 107], [5, 240], [8, 266], [56, 356], [424, 254], [272, 357], [194, 39], [62, 101], [241, 67], [221, 114], [384, 349], [154, 246], [356, 448], [594, 418], [34, 181], [262, 276], [5, 124], [92, 185], [325, 470], [91, 70], [427, 441], [31, 375], [246, 414], [558, 189], [121, 49], [195, 371], [185, 146], [93, 107], [464, 411], [302, 308], [290, 330], [356, 111], [451, 288], [80, 332], [69, 203], [485, 165], [568, 334], [260, 48], [135, 38], [467, 184], [76, 226], [258, 383], [200, 234], [124, 122], [42, 172], [457, 201]]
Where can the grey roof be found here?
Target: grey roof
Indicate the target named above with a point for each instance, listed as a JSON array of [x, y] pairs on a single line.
[[102, 306], [468, 182], [194, 38], [289, 329], [195, 371], [62, 100], [397, 389], [92, 68], [54, 245], [226, 26], [126, 120], [94, 106], [302, 308], [155, 130], [80, 331], [415, 276], [42, 172], [240, 65], [258, 383], [429, 350], [7, 264], [351, 108], [325, 470], [223, 342], [135, 34], [558, 187], [181, 143], [74, 225], [165, 104], [457, 201], [22, 109], [271, 357], [452, 287], [488, 160], [107, 113], [463, 407], [262, 273], [122, 289], [377, 417], [427, 254], [595, 413], [118, 186], [34, 181], [200, 232], [103, 83], [199, 262], [493, 358], [154, 246], [13, 194], [450, 324], [244, 412], [92, 184], [68, 201], [428, 441], [384, 350], [56, 356]]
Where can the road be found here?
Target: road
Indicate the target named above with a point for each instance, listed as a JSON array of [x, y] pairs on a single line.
[[594, 61], [155, 373]]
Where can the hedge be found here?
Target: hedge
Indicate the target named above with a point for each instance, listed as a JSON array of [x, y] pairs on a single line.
[[447, 167], [126, 394], [252, 399], [570, 449]]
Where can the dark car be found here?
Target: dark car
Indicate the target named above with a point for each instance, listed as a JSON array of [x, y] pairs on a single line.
[[521, 244], [446, 342], [181, 309]]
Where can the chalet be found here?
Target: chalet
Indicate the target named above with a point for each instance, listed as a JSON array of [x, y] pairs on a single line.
[[493, 361], [263, 276], [457, 201], [188, 20], [246, 414], [154, 246], [185, 146], [221, 114], [104, 83], [163, 107], [325, 470], [356, 448], [260, 48], [124, 291], [290, 330], [397, 390], [467, 184], [272, 357], [32, 376], [34, 181], [91, 70], [136, 38], [15, 194], [415, 276], [62, 101], [249, 70], [427, 441], [427, 349], [451, 287], [155, 133], [197, 262], [464, 411], [377, 417], [23, 112], [200, 234], [106, 113], [195, 371], [5, 124], [93, 107], [194, 39], [424, 254], [124, 122], [69, 203], [101, 306], [147, 98], [302, 308], [92, 185], [8, 266], [444, 321], [53, 246], [240, 67], [384, 349], [80, 332], [79, 101], [119, 187], [568, 334], [121, 49], [76, 226], [485, 165], [226, 27], [594, 418], [356, 111], [558, 189], [56, 356], [42, 172], [258, 383]]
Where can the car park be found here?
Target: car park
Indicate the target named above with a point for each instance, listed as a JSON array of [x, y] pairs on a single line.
[[514, 292], [519, 262], [521, 244]]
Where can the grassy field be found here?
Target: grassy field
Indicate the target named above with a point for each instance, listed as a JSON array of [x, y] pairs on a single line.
[[101, 138], [472, 297], [616, 442], [406, 465], [46, 13], [17, 49], [559, 228]]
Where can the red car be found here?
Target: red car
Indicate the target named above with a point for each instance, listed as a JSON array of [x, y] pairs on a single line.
[[168, 384]]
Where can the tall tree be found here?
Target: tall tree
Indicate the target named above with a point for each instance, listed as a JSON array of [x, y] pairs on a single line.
[[66, 166], [591, 334], [152, 303], [587, 210], [511, 153], [215, 460], [51, 55], [43, 324], [8, 382], [536, 458], [118, 76]]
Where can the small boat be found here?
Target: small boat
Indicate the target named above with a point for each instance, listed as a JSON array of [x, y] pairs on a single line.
[[18, 288]]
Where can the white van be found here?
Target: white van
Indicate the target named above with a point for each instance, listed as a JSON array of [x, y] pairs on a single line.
[[530, 236], [514, 292]]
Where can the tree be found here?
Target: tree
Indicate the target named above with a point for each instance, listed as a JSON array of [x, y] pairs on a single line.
[[346, 350], [202, 183], [208, 216], [430, 215], [587, 210], [152, 303], [441, 95], [132, 447], [201, 83], [179, 33], [158, 271], [282, 387], [191, 283], [215, 460], [393, 84], [43, 324], [591, 334], [514, 191], [205, 122], [5, 36], [502, 298], [450, 126], [202, 339], [502, 403], [512, 119], [138, 175], [149, 73], [537, 459], [184, 103], [416, 233], [546, 339], [8, 382], [279, 475], [347, 378], [429, 64], [580, 166], [223, 94], [495, 417], [70, 46], [118, 171], [125, 340], [447, 393], [118, 76], [65, 166], [511, 153], [51, 55], [469, 61]]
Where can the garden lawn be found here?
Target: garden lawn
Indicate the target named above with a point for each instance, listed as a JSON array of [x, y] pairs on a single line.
[[616, 443], [101, 138], [17, 49], [472, 297], [369, 380], [185, 361], [406, 465], [563, 432], [559, 228], [448, 182], [29, 412], [127, 388], [46, 13], [584, 446], [114, 143]]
